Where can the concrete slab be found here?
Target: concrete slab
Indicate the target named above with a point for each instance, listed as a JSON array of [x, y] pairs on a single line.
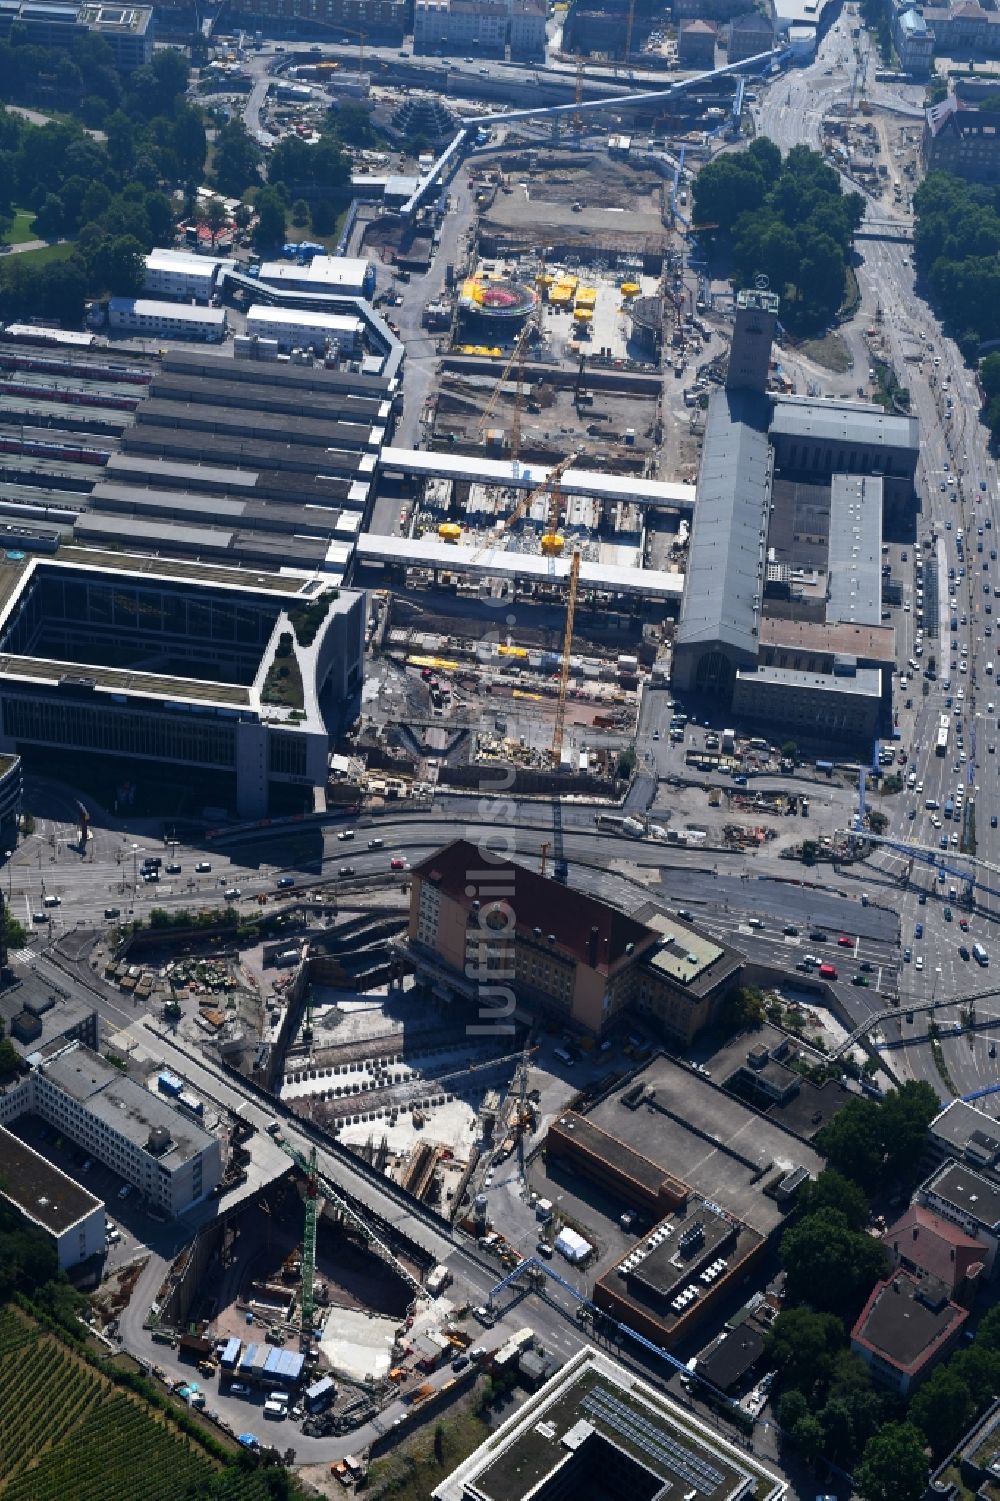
[[358, 1345]]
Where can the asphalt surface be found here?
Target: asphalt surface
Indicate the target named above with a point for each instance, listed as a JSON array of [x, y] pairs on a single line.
[[957, 488]]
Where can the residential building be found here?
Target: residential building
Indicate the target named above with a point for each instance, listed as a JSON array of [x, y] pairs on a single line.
[[146, 318], [907, 1326], [923, 1243], [967, 1134], [696, 44], [501, 934], [71, 1218], [963, 27], [963, 141], [129, 30], [179, 274], [527, 30], [453, 26], [160, 1150], [749, 36], [969, 1200], [596, 1429], [914, 42]]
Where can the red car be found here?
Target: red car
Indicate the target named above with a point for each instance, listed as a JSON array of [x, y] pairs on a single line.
[[845, 942], [963, 923], [397, 863]]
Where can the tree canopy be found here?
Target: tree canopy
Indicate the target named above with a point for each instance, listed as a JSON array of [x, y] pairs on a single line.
[[894, 1467], [786, 219], [956, 243], [872, 1142], [830, 1266]]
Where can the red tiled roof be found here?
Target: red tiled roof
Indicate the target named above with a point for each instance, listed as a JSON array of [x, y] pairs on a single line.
[[931, 1243], [466, 873]]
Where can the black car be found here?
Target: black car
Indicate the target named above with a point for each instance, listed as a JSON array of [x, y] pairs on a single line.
[[817, 935], [963, 952], [790, 930], [347, 870]]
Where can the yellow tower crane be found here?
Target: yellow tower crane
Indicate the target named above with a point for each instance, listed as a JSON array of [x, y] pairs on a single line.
[[518, 356]]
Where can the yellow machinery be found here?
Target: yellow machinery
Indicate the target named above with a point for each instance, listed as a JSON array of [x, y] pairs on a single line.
[[450, 531], [553, 545]]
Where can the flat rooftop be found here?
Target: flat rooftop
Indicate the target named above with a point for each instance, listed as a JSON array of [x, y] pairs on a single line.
[[497, 562], [961, 1127], [691, 959], [40, 1191], [591, 1137], [423, 463], [272, 582], [700, 1134], [125, 1105], [907, 1320], [870, 643], [968, 1192], [594, 1419]]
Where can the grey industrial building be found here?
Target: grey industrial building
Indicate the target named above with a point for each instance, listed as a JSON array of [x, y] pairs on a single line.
[[244, 462], [781, 618], [161, 668]]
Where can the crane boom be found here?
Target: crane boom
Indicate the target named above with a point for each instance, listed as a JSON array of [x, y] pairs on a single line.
[[524, 505], [517, 354], [333, 1196]]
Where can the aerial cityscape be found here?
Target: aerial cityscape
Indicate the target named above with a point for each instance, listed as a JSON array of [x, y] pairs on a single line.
[[499, 788]]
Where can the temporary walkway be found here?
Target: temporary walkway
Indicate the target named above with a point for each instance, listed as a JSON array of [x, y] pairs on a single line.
[[493, 562], [505, 474]]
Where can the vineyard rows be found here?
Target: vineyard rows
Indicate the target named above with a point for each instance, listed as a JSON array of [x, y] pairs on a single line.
[[67, 1432]]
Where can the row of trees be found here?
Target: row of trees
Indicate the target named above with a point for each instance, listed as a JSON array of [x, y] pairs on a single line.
[[787, 219], [956, 242], [828, 1405]]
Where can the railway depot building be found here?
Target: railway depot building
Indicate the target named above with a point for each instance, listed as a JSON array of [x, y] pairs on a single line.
[[480, 929], [781, 618], [149, 668]]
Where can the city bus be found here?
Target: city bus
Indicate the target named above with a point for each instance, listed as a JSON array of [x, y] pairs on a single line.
[[944, 726]]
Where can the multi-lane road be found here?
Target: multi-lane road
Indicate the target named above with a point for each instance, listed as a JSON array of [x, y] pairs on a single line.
[[957, 489]]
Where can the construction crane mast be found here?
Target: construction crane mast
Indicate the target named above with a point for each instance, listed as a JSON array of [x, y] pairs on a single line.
[[309, 1248], [316, 1187], [560, 724], [550, 483], [628, 31], [518, 356]]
